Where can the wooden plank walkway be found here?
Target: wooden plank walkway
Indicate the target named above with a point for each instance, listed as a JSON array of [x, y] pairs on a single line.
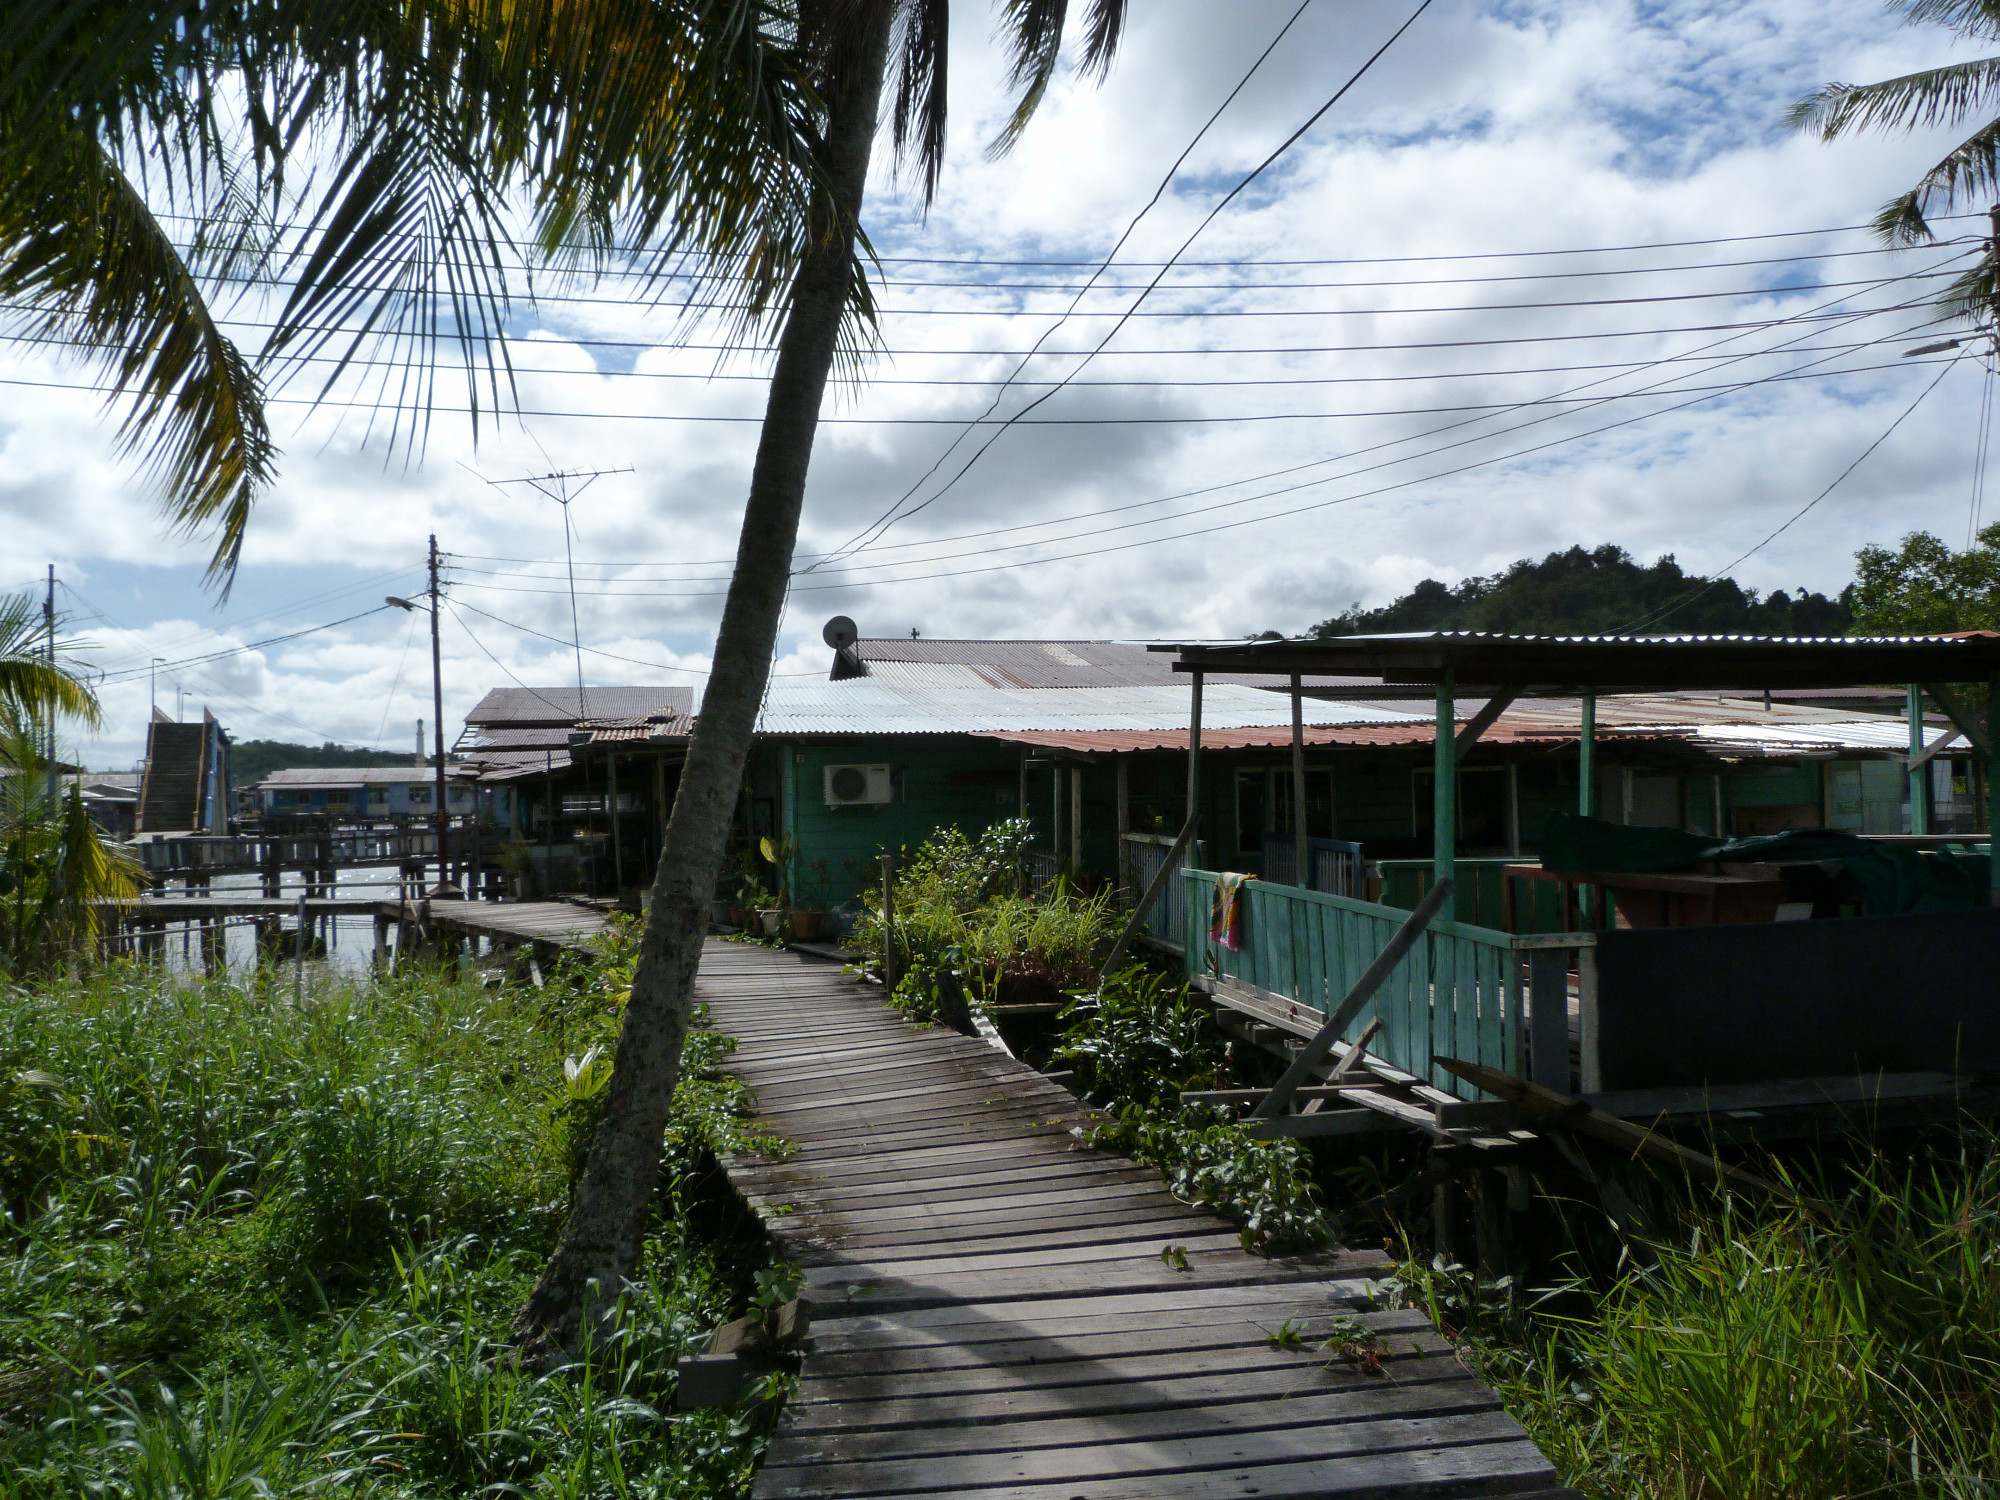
[[559, 924], [992, 1313]]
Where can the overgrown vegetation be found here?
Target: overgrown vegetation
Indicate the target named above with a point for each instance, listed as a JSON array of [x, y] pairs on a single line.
[[960, 909], [255, 1249], [1135, 1045], [56, 868], [1765, 1355]]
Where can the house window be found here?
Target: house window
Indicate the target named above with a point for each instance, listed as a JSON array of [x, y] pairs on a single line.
[[1264, 805], [420, 796]]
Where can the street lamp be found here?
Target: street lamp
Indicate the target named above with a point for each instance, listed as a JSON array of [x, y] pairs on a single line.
[[443, 819]]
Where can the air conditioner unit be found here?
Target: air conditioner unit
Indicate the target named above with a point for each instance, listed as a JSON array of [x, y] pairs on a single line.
[[859, 786]]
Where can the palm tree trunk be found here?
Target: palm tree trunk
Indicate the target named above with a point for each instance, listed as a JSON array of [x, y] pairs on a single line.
[[600, 1244]]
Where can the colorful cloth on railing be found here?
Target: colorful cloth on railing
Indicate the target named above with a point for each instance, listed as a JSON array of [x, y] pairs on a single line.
[[1225, 911]]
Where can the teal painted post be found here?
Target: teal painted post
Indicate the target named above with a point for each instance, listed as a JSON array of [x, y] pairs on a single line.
[[1586, 790], [1194, 753], [1920, 813], [788, 818], [1993, 788], [1444, 815]]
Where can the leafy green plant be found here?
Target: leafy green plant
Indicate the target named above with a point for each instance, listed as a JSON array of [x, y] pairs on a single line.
[[1142, 1038], [1264, 1187]]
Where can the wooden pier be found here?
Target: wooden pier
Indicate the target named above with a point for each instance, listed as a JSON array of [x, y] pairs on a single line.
[[999, 1312], [552, 926]]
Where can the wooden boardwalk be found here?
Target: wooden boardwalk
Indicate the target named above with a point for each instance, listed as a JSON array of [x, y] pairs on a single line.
[[1000, 1313]]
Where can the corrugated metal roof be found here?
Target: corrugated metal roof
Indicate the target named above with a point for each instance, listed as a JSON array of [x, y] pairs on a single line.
[[478, 738], [1053, 664], [550, 706], [346, 776], [867, 705]]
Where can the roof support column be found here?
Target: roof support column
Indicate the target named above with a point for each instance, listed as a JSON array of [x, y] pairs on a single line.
[[1444, 813], [1586, 789], [1194, 750], [1301, 871], [1992, 787], [1076, 819], [1920, 811]]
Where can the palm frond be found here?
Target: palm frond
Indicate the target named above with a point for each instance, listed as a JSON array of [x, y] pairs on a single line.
[[80, 247], [1978, 19], [1033, 30], [31, 684], [1916, 101]]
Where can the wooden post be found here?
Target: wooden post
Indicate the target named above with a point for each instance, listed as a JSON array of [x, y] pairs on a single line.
[[889, 921], [1920, 810], [1590, 1065], [1076, 819], [1124, 822], [1194, 750], [1993, 786], [611, 795], [1586, 789], [659, 806], [1024, 783], [1514, 808], [1444, 813], [1301, 872], [1548, 1018]]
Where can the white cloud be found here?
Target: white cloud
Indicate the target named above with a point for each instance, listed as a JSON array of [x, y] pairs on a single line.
[[1502, 126]]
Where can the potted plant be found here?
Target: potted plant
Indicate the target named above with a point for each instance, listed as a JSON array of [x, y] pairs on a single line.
[[779, 854], [809, 924]]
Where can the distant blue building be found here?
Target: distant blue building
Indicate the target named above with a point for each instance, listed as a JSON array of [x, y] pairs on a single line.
[[377, 793]]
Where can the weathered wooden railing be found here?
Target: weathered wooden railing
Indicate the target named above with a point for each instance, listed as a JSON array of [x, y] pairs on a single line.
[[201, 854], [1146, 854], [1457, 994]]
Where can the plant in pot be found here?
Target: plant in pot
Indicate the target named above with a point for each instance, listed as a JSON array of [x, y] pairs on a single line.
[[746, 891], [810, 923], [779, 854]]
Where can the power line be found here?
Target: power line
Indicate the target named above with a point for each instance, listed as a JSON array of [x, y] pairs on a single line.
[[1096, 518], [1727, 568], [133, 673], [1204, 351], [891, 517], [1362, 260]]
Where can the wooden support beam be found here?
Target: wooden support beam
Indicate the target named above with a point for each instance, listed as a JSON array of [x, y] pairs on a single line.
[[1575, 1114], [1963, 717], [1919, 758], [1256, 1096], [1357, 999], [1479, 723]]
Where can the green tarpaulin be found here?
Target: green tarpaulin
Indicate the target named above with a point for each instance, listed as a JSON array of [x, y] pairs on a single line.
[[1889, 879]]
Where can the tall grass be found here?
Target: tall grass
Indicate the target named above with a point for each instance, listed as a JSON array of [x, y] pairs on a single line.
[[1770, 1356], [256, 1248]]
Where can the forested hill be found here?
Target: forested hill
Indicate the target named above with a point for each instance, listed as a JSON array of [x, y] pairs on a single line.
[[1598, 591], [250, 761]]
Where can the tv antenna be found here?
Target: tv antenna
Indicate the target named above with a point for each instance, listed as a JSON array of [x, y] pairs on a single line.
[[563, 486]]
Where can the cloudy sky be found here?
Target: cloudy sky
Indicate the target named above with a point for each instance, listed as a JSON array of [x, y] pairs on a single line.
[[1347, 384]]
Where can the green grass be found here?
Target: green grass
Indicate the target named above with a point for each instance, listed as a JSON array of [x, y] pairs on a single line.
[[253, 1248], [1763, 1355]]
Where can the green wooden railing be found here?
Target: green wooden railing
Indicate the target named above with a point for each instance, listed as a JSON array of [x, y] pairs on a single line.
[[1458, 994]]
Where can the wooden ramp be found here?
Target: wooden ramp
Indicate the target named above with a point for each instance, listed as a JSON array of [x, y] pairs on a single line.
[[1001, 1314]]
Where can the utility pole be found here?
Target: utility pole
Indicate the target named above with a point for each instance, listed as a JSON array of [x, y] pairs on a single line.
[[49, 619], [437, 711], [440, 817]]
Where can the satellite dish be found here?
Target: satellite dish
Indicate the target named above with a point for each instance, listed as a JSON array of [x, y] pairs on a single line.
[[840, 633]]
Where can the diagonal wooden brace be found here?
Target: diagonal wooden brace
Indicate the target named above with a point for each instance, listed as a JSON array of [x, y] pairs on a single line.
[[1310, 1055]]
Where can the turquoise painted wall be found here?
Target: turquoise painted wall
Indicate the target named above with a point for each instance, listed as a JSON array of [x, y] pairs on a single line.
[[939, 781]]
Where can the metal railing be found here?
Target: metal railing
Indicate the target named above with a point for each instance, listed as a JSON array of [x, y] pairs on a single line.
[[1334, 866], [1457, 994], [1167, 921], [1040, 869]]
